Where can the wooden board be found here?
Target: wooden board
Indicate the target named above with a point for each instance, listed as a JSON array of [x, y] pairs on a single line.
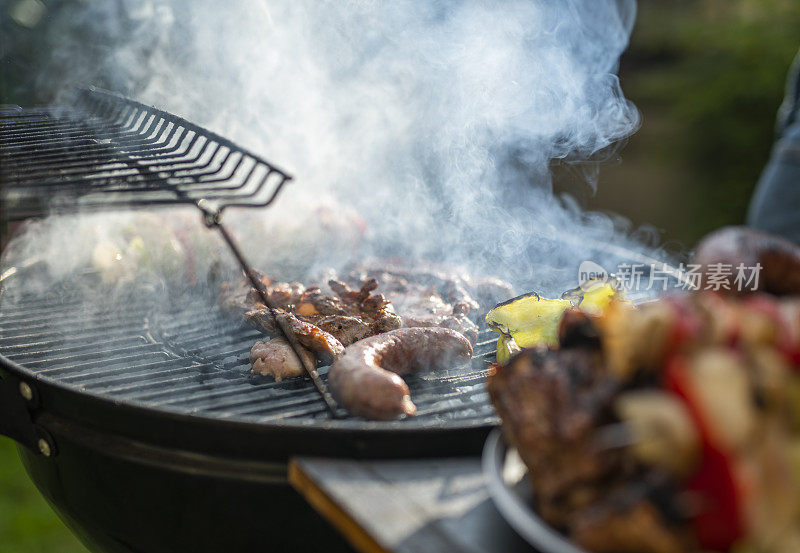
[[420, 506]]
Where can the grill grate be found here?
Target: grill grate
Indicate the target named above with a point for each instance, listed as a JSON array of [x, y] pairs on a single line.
[[195, 361], [106, 151]]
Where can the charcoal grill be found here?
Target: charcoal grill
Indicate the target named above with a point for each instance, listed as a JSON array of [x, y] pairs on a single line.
[[145, 429]]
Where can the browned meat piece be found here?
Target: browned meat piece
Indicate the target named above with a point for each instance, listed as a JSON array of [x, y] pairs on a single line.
[[353, 315], [419, 304], [317, 340], [428, 309], [346, 329], [454, 290], [553, 403], [280, 294], [396, 278], [731, 246], [387, 319], [353, 296], [233, 298], [576, 329], [638, 528], [276, 358], [262, 320], [550, 403], [432, 300], [427, 294], [236, 298], [453, 284], [365, 379], [313, 314], [459, 323], [314, 303]]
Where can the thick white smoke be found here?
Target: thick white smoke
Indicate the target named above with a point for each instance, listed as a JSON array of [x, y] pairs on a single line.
[[436, 122]]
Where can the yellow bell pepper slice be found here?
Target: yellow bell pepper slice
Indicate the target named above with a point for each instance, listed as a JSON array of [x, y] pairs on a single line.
[[506, 348], [531, 320]]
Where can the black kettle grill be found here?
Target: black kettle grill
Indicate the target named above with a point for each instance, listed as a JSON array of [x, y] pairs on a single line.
[[145, 431]]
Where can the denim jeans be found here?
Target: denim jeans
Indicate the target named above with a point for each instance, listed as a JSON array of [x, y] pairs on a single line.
[[775, 206]]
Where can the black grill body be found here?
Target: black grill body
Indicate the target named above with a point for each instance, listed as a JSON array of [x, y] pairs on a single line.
[[159, 439], [118, 498]]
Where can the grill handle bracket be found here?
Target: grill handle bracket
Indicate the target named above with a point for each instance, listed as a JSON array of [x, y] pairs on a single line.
[[18, 402]]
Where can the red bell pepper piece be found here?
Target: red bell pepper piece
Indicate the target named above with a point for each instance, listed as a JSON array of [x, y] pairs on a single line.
[[718, 524], [687, 325]]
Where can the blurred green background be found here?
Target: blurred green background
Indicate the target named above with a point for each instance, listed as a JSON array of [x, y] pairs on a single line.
[[27, 524], [707, 76]]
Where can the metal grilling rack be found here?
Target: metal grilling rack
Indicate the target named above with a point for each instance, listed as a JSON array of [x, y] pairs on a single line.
[[105, 151], [108, 152]]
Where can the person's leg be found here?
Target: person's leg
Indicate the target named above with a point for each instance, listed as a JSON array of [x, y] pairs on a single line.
[[775, 206]]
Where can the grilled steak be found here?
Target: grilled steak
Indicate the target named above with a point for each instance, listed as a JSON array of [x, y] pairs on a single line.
[[352, 314], [553, 404], [453, 284]]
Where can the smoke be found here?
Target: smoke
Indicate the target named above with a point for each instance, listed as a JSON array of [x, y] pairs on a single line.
[[429, 126]]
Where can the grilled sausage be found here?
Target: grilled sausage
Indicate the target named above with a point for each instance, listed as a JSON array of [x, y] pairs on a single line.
[[731, 246], [366, 381]]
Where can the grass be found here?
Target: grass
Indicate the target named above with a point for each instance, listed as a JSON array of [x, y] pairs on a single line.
[[27, 524]]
